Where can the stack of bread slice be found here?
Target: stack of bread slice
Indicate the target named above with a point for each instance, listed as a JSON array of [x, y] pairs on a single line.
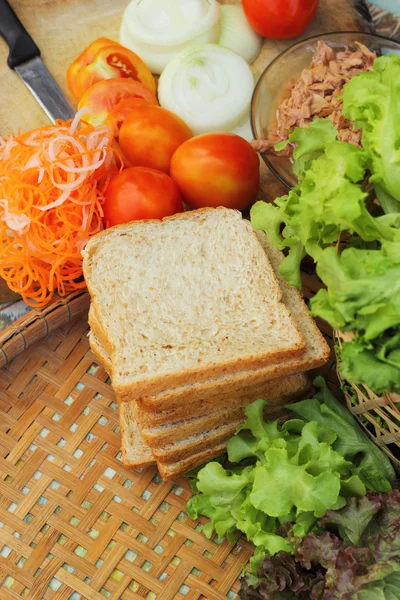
[[192, 321]]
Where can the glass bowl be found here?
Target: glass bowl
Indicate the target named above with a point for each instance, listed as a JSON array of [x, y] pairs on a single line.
[[273, 85]]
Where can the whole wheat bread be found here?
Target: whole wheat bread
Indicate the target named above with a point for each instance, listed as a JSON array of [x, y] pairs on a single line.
[[137, 454], [158, 436], [197, 443], [240, 384], [175, 470], [193, 397], [218, 302], [277, 394]]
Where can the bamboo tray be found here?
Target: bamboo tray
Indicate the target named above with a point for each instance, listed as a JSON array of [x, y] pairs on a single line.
[[74, 522]]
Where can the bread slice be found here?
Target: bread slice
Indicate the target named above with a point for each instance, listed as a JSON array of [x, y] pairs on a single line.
[[193, 399], [218, 302], [276, 395], [136, 454], [189, 437], [161, 435], [175, 470], [195, 444], [274, 392]]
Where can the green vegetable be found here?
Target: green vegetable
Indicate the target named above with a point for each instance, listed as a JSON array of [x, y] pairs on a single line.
[[283, 478], [353, 555], [371, 100], [375, 469], [362, 295], [330, 204], [328, 200]]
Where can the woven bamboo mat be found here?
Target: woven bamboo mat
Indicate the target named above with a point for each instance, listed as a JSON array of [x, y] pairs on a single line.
[[74, 522]]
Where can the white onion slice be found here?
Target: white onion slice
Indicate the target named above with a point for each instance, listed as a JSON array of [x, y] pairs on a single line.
[[209, 87], [158, 29], [237, 34]]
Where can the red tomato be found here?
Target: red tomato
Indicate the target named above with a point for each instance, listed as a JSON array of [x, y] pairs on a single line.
[[140, 193], [105, 59], [119, 113], [150, 135], [279, 19], [217, 169], [104, 95]]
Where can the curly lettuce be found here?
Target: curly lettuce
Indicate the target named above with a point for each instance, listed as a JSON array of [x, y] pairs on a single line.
[[283, 478], [372, 101], [362, 295], [332, 204], [327, 202]]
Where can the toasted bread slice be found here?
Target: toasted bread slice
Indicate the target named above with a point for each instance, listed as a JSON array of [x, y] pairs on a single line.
[[217, 298]]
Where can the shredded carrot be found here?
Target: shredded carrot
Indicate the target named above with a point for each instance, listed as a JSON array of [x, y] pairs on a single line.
[[52, 185]]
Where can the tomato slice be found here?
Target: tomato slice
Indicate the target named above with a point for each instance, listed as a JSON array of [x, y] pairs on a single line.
[[81, 61], [104, 95], [105, 59]]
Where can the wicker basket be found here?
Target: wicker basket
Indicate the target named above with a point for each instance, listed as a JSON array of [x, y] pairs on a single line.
[[378, 415]]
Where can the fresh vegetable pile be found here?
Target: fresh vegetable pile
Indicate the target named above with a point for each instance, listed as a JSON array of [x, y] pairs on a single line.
[[354, 554], [204, 88], [284, 478], [52, 185], [335, 203]]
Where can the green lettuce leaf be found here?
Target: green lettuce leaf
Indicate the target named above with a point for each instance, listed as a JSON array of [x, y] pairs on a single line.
[[371, 100], [374, 468], [360, 363], [362, 295], [327, 201]]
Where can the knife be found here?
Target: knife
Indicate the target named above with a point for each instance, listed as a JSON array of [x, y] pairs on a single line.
[[25, 59]]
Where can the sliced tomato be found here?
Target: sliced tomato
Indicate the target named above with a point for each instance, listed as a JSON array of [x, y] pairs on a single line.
[[104, 95], [81, 61], [105, 59]]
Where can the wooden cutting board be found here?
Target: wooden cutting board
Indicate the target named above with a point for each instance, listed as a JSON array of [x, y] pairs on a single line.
[[63, 28]]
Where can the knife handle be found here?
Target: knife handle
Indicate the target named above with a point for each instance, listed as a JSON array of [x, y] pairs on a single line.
[[21, 45]]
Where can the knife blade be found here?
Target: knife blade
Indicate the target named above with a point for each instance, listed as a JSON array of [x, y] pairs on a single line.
[[24, 58]]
